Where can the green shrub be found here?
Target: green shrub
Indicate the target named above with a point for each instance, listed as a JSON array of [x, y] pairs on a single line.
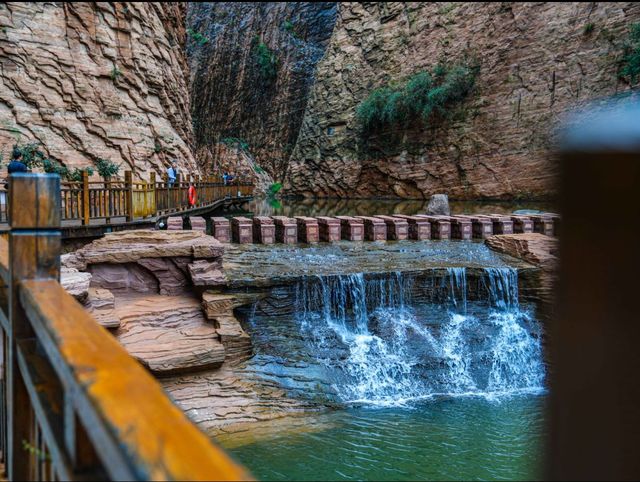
[[115, 73], [76, 174], [588, 28], [107, 168], [258, 169], [631, 60], [266, 59], [53, 167], [419, 97], [32, 156], [275, 188], [197, 37]]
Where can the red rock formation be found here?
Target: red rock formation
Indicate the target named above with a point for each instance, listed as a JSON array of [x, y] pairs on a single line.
[[96, 80], [537, 61]]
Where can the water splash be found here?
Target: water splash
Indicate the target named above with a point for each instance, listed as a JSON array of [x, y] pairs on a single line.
[[392, 350]]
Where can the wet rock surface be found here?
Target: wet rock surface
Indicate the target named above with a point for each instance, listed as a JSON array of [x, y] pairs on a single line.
[[252, 66]]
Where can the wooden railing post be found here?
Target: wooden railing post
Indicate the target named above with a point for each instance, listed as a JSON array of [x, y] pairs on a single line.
[[128, 184], [85, 198], [34, 252], [152, 198]]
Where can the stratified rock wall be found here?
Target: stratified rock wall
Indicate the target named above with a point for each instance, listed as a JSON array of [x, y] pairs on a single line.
[[537, 61], [96, 80], [233, 97]]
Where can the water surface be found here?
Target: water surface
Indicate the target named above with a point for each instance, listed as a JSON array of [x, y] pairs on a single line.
[[445, 439]]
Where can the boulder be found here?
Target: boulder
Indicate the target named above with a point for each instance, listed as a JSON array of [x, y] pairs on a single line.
[[206, 273], [439, 205]]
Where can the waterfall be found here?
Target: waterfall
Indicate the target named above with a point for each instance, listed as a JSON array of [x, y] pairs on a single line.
[[384, 348]]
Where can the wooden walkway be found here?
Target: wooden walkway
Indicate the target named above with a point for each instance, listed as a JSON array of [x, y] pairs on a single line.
[[89, 208], [73, 404]]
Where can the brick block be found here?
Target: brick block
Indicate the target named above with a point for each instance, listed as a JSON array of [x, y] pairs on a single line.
[[419, 228], [542, 224], [461, 228], [482, 227], [198, 223], [522, 224], [351, 229], [264, 231], [440, 226], [175, 223], [308, 230], [329, 229], [241, 230], [397, 229], [501, 224], [221, 229], [375, 229], [286, 229]]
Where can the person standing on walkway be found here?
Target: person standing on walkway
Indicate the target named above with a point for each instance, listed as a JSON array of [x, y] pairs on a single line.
[[16, 164], [172, 174]]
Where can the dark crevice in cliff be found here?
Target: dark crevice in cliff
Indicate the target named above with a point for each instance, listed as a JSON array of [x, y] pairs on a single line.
[[252, 67]]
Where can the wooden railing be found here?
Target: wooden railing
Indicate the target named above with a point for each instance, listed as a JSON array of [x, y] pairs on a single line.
[[130, 200], [73, 404]]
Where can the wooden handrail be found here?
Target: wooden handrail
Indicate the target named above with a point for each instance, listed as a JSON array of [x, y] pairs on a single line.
[[84, 201], [73, 403]]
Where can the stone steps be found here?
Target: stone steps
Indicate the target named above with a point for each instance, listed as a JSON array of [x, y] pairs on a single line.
[[303, 229]]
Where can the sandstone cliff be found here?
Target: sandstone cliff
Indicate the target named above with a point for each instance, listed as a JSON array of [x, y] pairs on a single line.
[[96, 80], [252, 65], [537, 61]]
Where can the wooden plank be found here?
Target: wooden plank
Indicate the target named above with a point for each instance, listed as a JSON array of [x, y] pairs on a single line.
[[137, 431]]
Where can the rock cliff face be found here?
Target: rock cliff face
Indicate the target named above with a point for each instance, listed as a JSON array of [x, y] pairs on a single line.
[[252, 65], [537, 60], [96, 80]]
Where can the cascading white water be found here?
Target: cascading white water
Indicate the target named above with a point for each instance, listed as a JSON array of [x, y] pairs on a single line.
[[393, 349]]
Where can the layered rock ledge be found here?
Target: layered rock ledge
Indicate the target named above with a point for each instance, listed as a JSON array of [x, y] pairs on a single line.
[[161, 294]]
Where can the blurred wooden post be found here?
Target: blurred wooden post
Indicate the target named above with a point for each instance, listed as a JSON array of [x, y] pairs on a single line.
[[595, 337], [85, 198], [128, 184], [34, 253]]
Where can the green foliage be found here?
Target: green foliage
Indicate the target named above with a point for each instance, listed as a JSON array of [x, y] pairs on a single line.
[[76, 174], [157, 147], [40, 454], [197, 37], [116, 73], [588, 28], [420, 97], [631, 60], [32, 156], [107, 168], [266, 59], [258, 169], [53, 167], [235, 142], [275, 188]]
